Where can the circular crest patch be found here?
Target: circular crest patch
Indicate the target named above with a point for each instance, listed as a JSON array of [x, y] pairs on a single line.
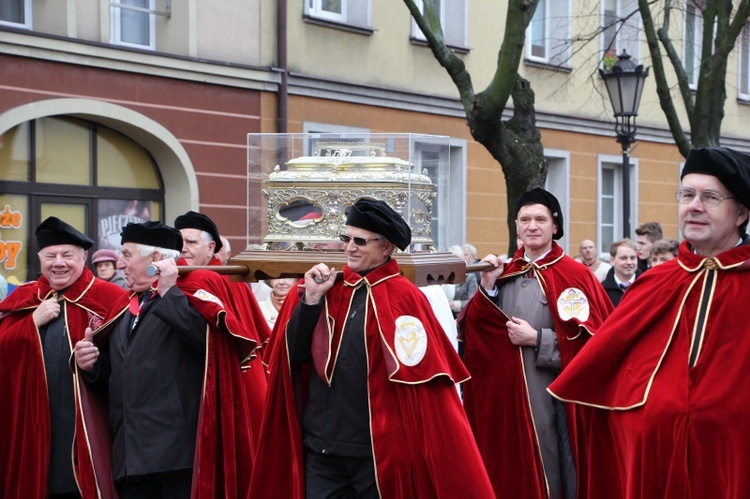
[[573, 304], [410, 340]]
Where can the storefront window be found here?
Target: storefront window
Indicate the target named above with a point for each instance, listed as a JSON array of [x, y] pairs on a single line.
[[123, 162], [63, 151], [91, 176], [14, 234], [14, 153], [114, 214]]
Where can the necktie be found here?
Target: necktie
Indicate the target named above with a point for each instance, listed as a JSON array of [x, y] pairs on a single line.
[[136, 305], [624, 286]]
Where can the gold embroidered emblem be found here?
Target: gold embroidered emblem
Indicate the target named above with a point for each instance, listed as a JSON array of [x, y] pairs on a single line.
[[410, 340], [573, 304], [204, 295]]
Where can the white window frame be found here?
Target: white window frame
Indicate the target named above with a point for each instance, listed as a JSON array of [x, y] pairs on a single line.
[[556, 16], [457, 196], [450, 40], [312, 127], [355, 13], [743, 64], [315, 9], [558, 183], [541, 15], [615, 163], [692, 13], [27, 17], [450, 186], [416, 32], [631, 31], [116, 27]]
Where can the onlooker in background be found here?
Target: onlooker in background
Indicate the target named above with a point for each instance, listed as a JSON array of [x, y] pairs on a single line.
[[645, 236], [464, 291], [260, 289], [587, 255], [664, 250], [469, 253], [271, 305], [624, 260], [105, 262], [40, 320], [225, 252]]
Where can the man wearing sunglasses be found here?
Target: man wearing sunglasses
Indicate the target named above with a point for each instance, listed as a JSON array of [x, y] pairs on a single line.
[[669, 363], [382, 417]]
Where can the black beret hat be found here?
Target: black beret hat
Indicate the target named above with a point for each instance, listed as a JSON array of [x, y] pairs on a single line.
[[540, 196], [732, 168], [376, 216], [151, 233], [194, 220], [54, 231]]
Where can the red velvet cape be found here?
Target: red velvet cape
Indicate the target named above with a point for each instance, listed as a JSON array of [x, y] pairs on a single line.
[[422, 443], [496, 399], [244, 306], [224, 444], [25, 422], [674, 431]]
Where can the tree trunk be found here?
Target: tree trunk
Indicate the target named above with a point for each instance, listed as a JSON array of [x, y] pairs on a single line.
[[516, 144]]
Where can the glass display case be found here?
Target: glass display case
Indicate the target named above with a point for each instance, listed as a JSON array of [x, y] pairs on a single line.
[[309, 181]]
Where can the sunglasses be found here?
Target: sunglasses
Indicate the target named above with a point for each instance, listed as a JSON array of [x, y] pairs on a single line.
[[359, 241]]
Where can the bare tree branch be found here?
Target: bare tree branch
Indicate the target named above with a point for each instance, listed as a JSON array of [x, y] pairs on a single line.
[[662, 86], [515, 143]]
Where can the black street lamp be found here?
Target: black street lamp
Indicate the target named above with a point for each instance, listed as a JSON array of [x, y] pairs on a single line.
[[624, 83]]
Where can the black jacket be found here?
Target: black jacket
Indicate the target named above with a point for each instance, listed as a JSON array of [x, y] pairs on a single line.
[[155, 378], [612, 288], [336, 419]]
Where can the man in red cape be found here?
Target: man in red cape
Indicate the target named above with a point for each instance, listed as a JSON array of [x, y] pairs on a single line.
[[667, 365], [41, 413], [201, 242], [221, 445], [362, 400], [530, 318]]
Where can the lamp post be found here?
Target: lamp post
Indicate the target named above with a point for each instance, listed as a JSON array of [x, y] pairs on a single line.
[[624, 82]]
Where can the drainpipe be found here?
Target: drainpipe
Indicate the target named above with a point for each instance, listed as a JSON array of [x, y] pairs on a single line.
[[281, 44]]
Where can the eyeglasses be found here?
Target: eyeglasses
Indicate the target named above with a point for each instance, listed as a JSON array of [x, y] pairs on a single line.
[[708, 198], [359, 241]]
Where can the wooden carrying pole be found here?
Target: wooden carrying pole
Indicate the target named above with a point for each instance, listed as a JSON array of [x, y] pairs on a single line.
[[422, 269]]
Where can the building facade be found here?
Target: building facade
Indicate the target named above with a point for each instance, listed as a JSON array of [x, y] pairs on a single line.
[[119, 111]]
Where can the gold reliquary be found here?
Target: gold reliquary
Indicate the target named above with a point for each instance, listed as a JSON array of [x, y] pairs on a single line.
[[316, 178]]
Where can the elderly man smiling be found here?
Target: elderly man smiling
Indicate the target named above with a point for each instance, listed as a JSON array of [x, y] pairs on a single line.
[[41, 321]]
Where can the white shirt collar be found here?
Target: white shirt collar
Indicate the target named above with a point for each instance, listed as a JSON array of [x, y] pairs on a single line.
[[618, 281], [526, 257]]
